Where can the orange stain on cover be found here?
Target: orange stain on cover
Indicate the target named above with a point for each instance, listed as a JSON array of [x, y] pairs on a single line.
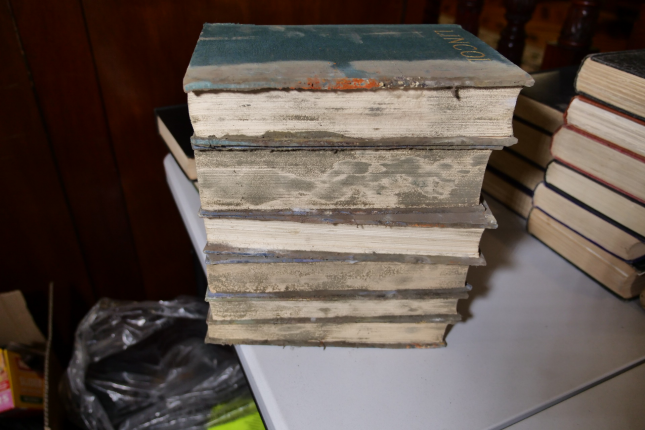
[[342, 84], [314, 84], [354, 84]]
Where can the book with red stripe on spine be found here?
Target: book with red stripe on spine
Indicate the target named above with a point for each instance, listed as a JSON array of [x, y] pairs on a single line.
[[591, 209]]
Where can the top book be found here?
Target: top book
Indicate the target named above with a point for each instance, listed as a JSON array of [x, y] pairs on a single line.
[[470, 89], [616, 79], [345, 57]]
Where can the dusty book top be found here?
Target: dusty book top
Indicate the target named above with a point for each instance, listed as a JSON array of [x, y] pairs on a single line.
[[345, 57]]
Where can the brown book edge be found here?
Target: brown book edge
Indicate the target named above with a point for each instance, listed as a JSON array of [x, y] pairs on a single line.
[[607, 144], [607, 108]]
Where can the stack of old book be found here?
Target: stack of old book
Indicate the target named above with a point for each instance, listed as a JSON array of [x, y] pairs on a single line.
[[591, 207], [513, 174], [340, 172]]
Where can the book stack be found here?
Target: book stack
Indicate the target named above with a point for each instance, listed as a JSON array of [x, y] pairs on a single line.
[[591, 206], [340, 172], [513, 174]]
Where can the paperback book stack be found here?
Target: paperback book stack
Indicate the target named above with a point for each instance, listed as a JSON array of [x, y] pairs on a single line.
[[340, 172], [513, 174], [591, 207]]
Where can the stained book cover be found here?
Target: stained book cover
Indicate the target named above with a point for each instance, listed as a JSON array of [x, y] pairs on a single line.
[[349, 86], [345, 57]]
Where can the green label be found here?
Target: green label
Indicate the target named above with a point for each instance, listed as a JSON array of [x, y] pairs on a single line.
[[32, 399]]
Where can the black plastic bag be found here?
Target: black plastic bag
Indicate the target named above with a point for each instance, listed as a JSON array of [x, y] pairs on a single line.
[[144, 365]]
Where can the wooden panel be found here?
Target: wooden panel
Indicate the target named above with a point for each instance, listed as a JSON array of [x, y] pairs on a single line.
[[141, 51], [60, 60], [39, 243]]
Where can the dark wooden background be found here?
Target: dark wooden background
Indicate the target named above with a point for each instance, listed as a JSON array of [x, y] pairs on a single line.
[[84, 197]]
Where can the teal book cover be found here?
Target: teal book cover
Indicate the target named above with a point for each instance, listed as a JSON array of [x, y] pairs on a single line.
[[238, 57]]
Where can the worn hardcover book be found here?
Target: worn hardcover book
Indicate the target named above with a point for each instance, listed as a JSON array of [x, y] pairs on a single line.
[[350, 178], [508, 192], [235, 271], [624, 279], [616, 206], [517, 168], [608, 124], [512, 174], [413, 332], [543, 105], [174, 127], [451, 232], [601, 160], [349, 85], [306, 278], [335, 307], [532, 143], [616, 79], [594, 226]]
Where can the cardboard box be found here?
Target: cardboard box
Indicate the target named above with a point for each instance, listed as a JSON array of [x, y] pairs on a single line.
[[21, 388]]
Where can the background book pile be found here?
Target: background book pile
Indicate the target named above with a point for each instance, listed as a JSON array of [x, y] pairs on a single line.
[[340, 172], [513, 174], [591, 206]]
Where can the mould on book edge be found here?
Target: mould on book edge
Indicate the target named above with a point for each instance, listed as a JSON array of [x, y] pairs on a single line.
[[319, 141], [481, 217], [325, 344], [397, 319], [222, 254], [323, 76], [335, 295]]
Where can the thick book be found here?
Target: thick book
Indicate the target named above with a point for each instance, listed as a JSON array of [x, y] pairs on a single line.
[[332, 276], [412, 333], [349, 85], [599, 229], [622, 278], [607, 124], [335, 307], [351, 178], [244, 271], [370, 319], [521, 171], [601, 198], [543, 105], [616, 79], [453, 232], [533, 143], [508, 192], [601, 160], [174, 127]]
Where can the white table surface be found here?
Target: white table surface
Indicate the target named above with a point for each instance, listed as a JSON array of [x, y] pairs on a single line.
[[618, 403], [537, 331]]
